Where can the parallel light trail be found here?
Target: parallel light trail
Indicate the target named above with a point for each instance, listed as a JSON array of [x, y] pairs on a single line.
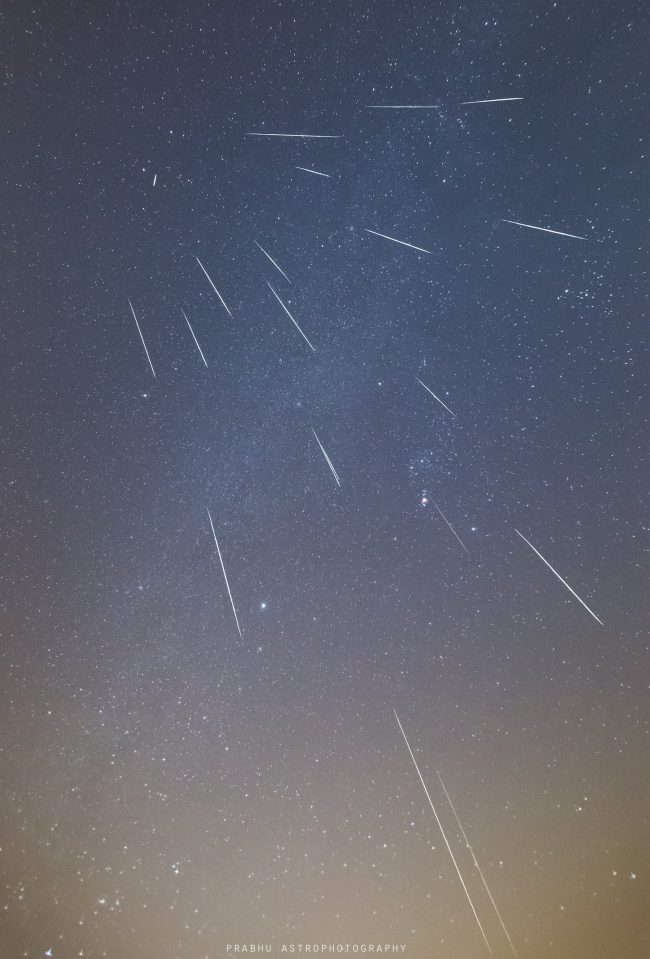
[[480, 871], [544, 229], [317, 172], [193, 336], [232, 602], [290, 317], [141, 337], [155, 177], [269, 257], [435, 397], [329, 462], [563, 581], [214, 287], [301, 136], [401, 242], [402, 106], [450, 526], [496, 100], [444, 836]]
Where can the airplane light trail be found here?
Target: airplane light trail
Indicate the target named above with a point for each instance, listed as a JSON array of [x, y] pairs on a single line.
[[214, 287], [193, 336], [480, 871], [544, 229], [329, 462], [232, 602], [141, 337], [435, 397], [268, 256], [444, 836], [401, 242], [317, 172], [290, 316], [563, 581]]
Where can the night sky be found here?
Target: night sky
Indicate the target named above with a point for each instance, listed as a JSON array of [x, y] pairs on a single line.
[[170, 784]]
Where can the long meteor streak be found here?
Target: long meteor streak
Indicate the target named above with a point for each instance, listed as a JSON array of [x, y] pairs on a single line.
[[317, 172], [401, 242], [450, 527], [563, 581], [232, 602], [290, 316], [402, 106], [544, 229], [329, 462], [214, 287], [269, 257], [434, 396], [142, 337], [193, 336], [302, 136], [496, 100], [444, 836], [480, 871]]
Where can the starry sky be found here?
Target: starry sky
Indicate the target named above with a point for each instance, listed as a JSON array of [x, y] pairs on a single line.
[[171, 783]]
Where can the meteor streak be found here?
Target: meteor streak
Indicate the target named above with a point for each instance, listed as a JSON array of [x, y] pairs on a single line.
[[329, 462], [290, 316], [269, 257], [563, 581], [402, 106], [142, 337], [480, 872], [450, 527], [444, 836], [317, 172], [434, 396], [401, 242], [496, 100], [545, 229], [302, 136], [232, 603], [214, 287], [193, 336]]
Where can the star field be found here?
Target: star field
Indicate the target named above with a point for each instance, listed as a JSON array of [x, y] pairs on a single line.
[[188, 762]]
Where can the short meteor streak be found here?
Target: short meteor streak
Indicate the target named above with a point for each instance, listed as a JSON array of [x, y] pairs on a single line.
[[563, 581], [444, 836], [401, 242], [193, 336], [317, 172], [290, 316], [544, 229], [329, 462], [214, 287], [466, 103], [450, 527], [480, 871], [435, 397], [142, 337], [269, 257], [232, 603], [300, 136]]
